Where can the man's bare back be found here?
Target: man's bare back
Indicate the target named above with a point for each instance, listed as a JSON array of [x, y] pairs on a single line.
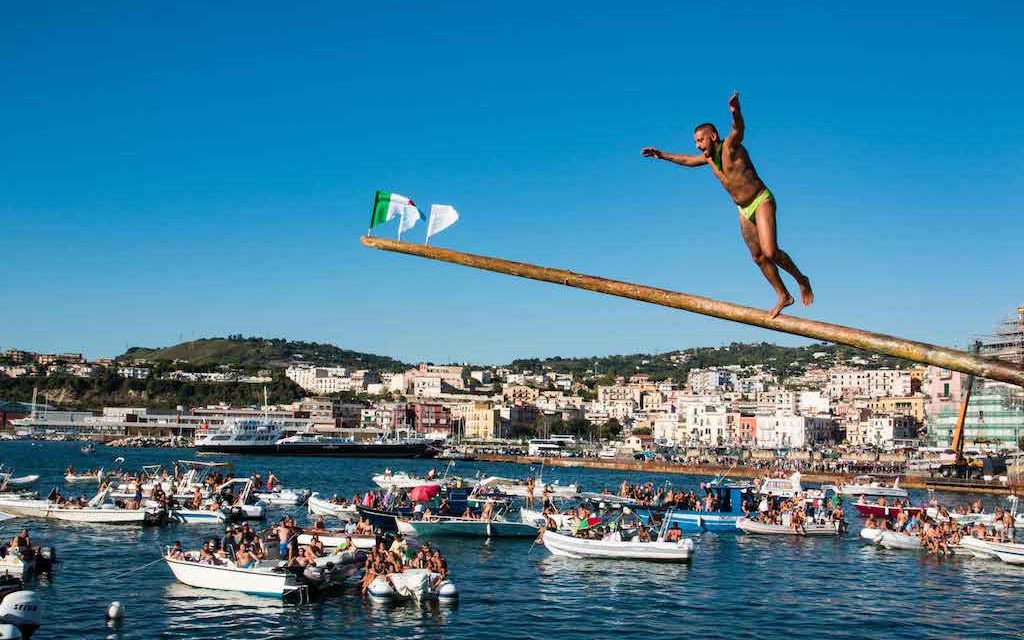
[[731, 164]]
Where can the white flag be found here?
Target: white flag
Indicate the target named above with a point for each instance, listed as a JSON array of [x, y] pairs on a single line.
[[410, 215], [442, 216]]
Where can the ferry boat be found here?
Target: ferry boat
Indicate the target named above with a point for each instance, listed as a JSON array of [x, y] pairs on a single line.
[[241, 436]]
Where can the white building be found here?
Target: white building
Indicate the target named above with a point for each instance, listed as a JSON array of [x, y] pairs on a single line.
[[882, 432], [794, 431], [139, 373], [426, 386], [874, 383]]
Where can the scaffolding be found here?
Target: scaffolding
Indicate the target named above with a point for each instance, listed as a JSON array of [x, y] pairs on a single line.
[[1007, 343]]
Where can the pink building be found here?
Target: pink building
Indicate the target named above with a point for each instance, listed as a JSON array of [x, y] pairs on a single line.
[[942, 388]]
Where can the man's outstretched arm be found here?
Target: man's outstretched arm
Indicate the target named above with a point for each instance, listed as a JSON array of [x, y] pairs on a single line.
[[735, 136], [677, 158]]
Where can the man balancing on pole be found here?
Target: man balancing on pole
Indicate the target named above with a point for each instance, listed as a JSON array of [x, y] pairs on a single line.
[[731, 164]]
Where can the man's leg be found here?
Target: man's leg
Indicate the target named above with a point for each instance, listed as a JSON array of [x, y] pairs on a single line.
[[751, 236], [764, 219]]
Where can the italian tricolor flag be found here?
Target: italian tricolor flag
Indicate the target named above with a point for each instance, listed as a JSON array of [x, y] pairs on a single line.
[[388, 205]]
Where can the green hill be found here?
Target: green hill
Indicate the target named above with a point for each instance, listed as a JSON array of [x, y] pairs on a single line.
[[262, 352], [784, 361]]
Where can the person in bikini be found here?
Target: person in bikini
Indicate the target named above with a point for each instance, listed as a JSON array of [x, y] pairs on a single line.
[[731, 164]]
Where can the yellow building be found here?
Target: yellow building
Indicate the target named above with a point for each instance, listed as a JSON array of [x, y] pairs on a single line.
[[474, 420], [912, 406]]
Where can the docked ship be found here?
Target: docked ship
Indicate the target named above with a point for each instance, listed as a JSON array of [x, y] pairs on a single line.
[[266, 438], [241, 436], [310, 444]]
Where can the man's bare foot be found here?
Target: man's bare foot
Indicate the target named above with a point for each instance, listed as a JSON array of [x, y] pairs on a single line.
[[806, 293], [783, 303]]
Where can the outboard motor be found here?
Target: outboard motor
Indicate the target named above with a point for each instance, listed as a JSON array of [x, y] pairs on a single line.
[[23, 609]]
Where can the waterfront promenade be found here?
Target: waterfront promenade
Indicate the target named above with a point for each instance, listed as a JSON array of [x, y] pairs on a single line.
[[711, 470]]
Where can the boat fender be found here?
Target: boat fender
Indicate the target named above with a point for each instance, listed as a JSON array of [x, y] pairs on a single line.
[[447, 591], [9, 632], [23, 609], [115, 611]]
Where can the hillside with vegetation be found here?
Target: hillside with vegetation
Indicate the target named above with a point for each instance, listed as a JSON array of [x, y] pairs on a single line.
[[109, 390], [783, 361], [240, 351]]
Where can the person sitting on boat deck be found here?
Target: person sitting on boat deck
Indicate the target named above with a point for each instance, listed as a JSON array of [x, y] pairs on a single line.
[[674, 533], [351, 526], [345, 545], [364, 528], [244, 558], [319, 524], [176, 552], [372, 568], [229, 544], [468, 514], [208, 555], [399, 547], [439, 566], [316, 545], [419, 561]]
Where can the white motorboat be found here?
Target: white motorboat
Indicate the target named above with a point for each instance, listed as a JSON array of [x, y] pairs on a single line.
[[787, 487], [240, 501], [1008, 552], [520, 488], [412, 584], [85, 476], [265, 579], [98, 511], [7, 478], [891, 539], [869, 487], [403, 480], [319, 506], [809, 528], [197, 516], [283, 496], [969, 545], [334, 539], [616, 548], [24, 563]]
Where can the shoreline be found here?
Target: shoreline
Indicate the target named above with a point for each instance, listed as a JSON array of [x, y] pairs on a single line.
[[654, 466]]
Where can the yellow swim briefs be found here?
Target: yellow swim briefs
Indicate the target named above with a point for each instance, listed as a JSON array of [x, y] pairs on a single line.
[[749, 210]]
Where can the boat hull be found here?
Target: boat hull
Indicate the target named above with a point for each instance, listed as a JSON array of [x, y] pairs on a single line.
[[470, 528], [319, 506], [43, 509], [891, 539], [260, 582], [568, 546], [880, 511], [810, 529]]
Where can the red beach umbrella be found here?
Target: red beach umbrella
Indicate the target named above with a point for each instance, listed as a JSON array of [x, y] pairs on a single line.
[[424, 492]]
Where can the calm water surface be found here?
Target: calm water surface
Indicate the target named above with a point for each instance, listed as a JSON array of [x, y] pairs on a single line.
[[737, 586]]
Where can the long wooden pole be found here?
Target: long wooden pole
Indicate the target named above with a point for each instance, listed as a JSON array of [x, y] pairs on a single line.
[[922, 352]]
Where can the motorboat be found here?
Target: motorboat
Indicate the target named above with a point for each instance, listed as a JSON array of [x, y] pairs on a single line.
[[1008, 552], [267, 578], [28, 562], [84, 476], [281, 496], [969, 545], [319, 506], [240, 500], [868, 486], [403, 480], [787, 487], [88, 448], [891, 539], [100, 510], [412, 584], [520, 488], [241, 436], [614, 547], [809, 528], [334, 539], [197, 516], [728, 509], [885, 511], [9, 479], [466, 527], [563, 522]]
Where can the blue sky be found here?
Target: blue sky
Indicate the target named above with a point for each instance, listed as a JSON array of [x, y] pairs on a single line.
[[179, 171]]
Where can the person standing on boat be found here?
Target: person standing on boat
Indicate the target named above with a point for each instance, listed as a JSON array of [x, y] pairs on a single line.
[[487, 513]]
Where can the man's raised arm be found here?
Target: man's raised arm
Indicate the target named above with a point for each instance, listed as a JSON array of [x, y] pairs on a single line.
[[736, 135], [678, 158]]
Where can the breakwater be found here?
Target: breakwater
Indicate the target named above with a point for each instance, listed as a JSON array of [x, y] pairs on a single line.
[[709, 471]]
